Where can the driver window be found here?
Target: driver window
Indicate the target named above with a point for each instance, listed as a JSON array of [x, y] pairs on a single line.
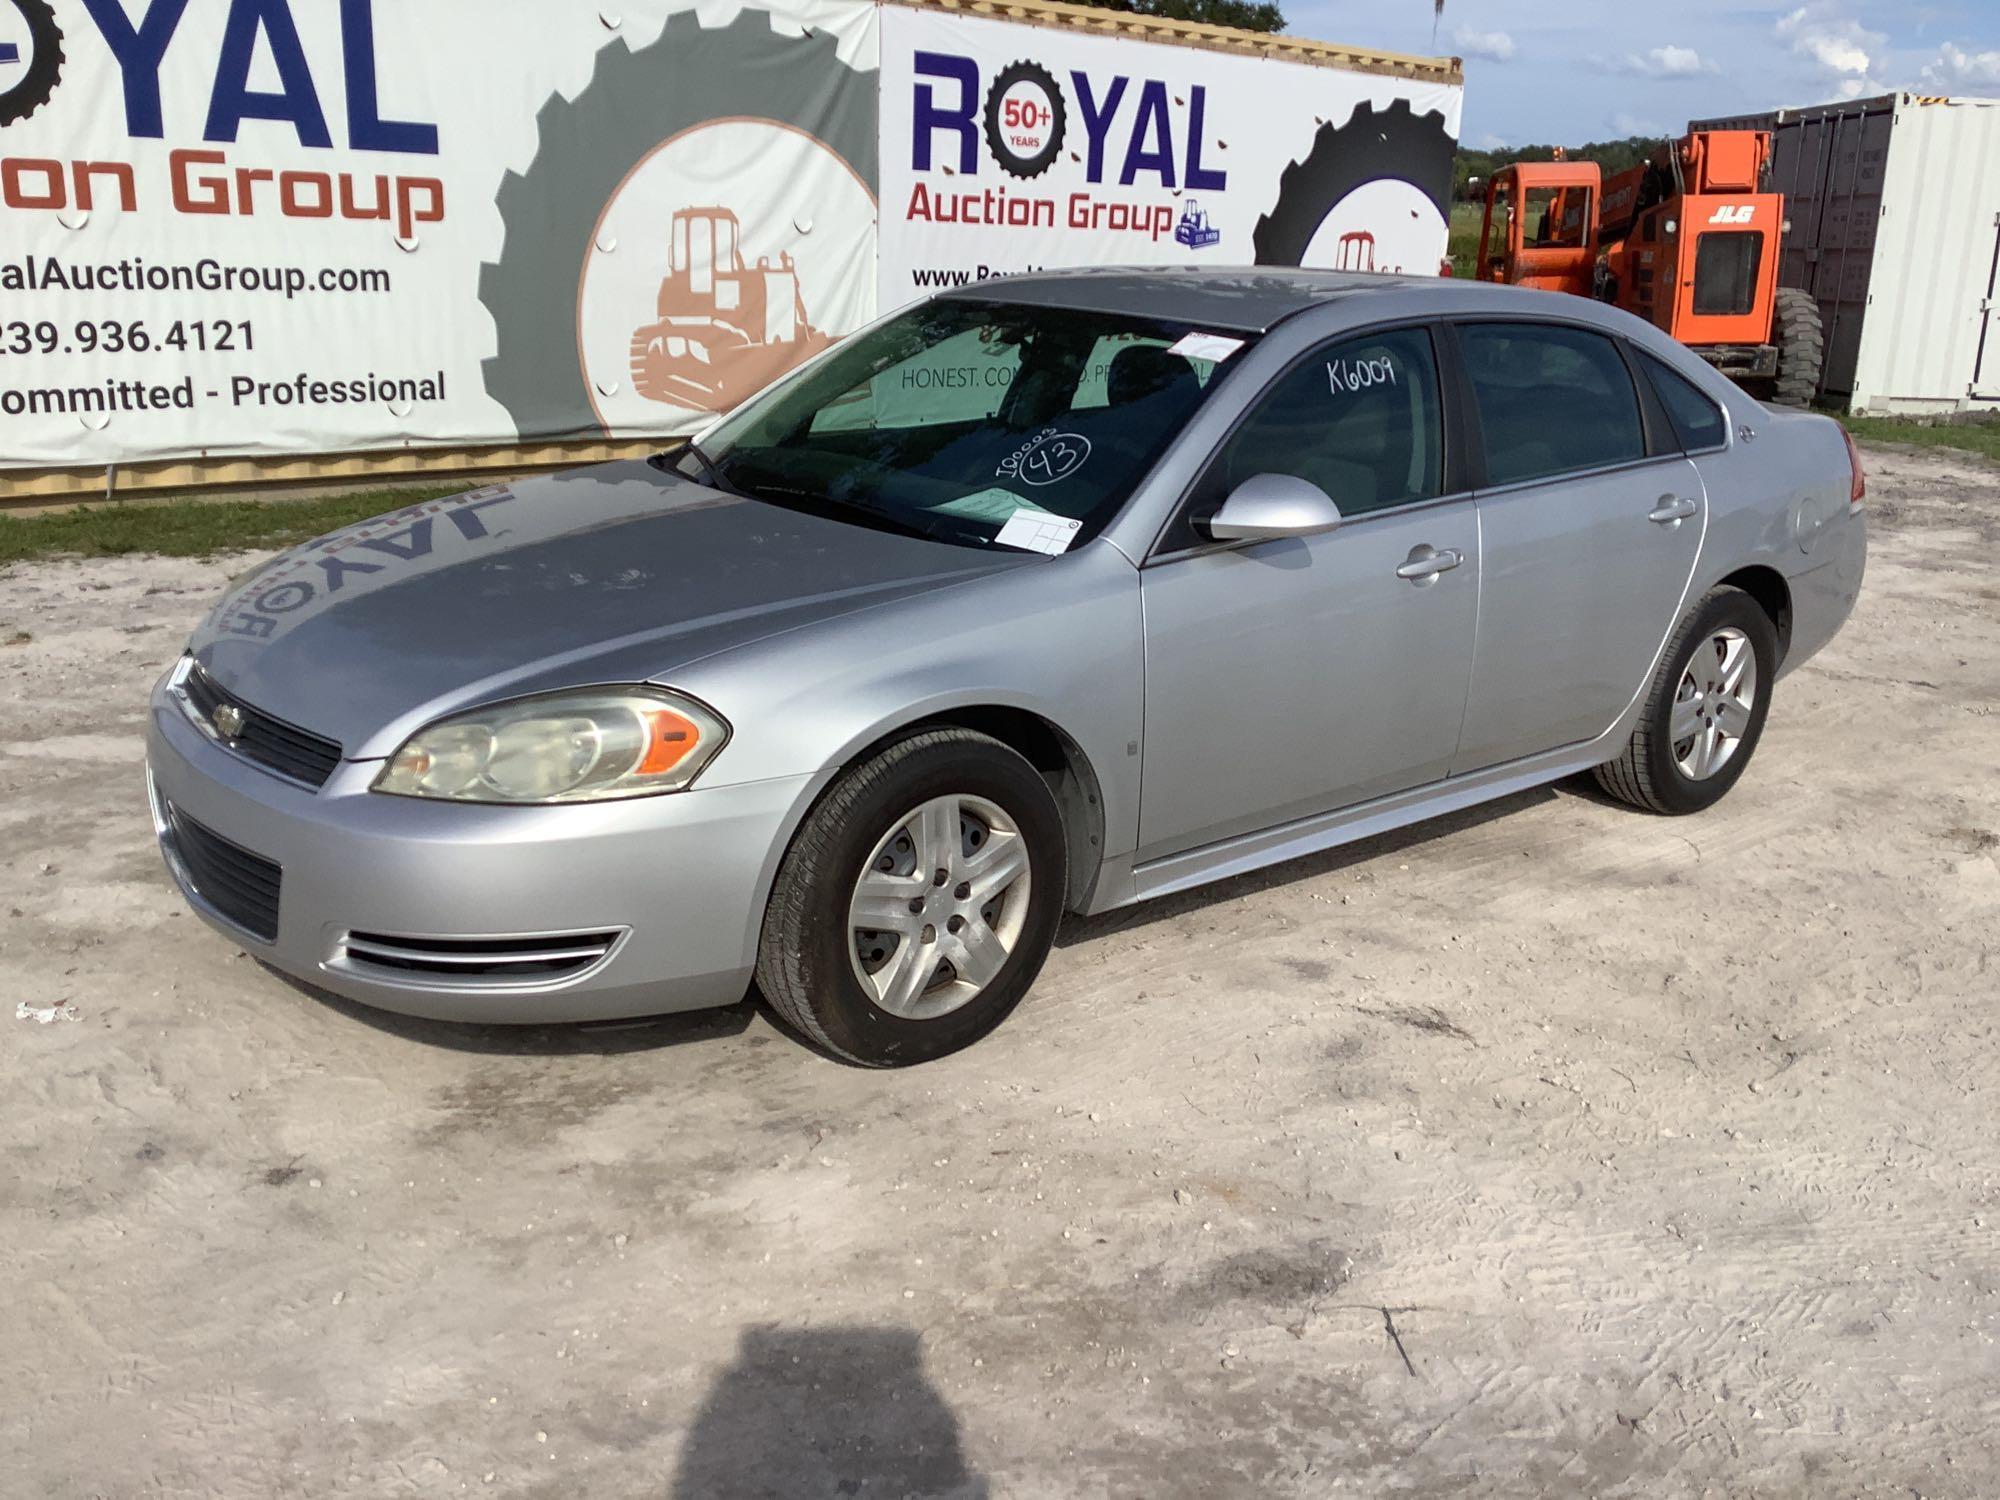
[[1361, 419]]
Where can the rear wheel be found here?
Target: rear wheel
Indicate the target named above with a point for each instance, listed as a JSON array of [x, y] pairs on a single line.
[[1801, 347], [1705, 709], [917, 903]]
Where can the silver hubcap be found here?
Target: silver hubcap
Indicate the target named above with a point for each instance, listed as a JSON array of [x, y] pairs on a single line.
[[939, 906], [1713, 703]]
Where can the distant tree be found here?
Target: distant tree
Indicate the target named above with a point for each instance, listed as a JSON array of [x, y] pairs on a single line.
[[1247, 15], [1611, 157]]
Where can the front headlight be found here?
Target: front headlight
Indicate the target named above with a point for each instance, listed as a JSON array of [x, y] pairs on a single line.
[[582, 746]]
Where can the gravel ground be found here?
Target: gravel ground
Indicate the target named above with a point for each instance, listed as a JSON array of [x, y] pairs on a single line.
[[1549, 1149]]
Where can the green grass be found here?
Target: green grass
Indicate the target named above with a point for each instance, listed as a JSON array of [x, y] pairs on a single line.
[[1466, 220], [1982, 438], [196, 528]]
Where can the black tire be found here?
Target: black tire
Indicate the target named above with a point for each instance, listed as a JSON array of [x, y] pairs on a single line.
[[1372, 144], [803, 964], [1801, 347], [1647, 774], [31, 90]]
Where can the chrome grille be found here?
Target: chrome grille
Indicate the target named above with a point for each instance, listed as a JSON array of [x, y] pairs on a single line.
[[294, 753], [242, 887], [543, 959]]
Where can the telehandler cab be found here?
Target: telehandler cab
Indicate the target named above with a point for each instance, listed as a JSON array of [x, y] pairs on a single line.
[[1688, 241]]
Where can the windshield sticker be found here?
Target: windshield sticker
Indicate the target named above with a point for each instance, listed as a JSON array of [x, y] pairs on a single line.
[[994, 505], [1347, 377], [1045, 458], [1210, 346], [1039, 531]]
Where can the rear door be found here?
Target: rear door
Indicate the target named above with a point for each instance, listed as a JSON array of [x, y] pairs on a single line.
[[1590, 520]]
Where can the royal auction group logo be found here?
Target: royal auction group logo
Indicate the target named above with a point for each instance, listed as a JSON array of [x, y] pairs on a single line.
[[1138, 144], [31, 57]]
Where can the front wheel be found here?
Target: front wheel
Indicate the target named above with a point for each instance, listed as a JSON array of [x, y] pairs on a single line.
[[918, 901], [1704, 711]]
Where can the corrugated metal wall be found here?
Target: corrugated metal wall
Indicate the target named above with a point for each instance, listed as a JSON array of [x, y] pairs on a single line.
[[1894, 205], [1830, 163], [1925, 345]]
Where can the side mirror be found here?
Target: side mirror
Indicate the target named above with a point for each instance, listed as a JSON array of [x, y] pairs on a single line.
[[1273, 505]]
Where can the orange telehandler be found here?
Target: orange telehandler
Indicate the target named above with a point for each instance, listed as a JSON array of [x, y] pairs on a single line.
[[1688, 241]]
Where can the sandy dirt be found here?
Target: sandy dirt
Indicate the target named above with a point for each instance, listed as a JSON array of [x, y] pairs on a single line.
[[1552, 1149]]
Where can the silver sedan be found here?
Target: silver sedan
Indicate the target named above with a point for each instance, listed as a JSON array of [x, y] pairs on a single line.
[[1054, 594]]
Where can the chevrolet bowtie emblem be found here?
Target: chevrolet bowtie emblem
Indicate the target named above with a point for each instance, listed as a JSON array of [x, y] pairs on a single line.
[[229, 721]]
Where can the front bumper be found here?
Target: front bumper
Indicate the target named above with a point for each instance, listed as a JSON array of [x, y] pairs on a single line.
[[677, 882]]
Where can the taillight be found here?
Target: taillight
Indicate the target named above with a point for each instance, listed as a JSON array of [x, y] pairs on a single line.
[[1859, 491], [1444, 267]]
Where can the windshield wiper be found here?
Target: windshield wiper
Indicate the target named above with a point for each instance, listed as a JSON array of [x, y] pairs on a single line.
[[710, 475], [894, 520], [779, 492]]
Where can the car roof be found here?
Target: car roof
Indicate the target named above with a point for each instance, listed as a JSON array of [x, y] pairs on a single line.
[[1243, 299]]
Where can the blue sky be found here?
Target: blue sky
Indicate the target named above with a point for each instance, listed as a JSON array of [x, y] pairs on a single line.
[[1575, 70]]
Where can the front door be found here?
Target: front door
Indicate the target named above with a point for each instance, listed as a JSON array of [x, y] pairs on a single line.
[[1587, 542], [1290, 677]]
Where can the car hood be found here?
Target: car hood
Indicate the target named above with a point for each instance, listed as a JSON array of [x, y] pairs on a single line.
[[617, 573]]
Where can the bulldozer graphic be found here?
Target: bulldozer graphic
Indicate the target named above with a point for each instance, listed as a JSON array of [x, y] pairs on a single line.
[[725, 329]]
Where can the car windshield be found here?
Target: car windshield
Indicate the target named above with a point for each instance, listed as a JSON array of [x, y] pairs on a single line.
[[982, 424]]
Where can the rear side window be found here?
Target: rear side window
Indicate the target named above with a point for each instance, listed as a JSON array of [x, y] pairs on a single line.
[[1552, 400], [1698, 421], [1725, 272]]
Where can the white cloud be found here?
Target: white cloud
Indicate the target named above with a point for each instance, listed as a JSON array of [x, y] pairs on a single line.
[[1624, 125], [1836, 43], [1667, 62], [1493, 46], [1956, 69]]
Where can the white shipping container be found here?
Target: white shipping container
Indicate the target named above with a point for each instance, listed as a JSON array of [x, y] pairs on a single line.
[[1893, 206]]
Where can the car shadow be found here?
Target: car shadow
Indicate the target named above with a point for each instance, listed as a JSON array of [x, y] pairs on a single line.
[[653, 1033], [557, 1039], [1584, 786], [838, 1410], [1076, 930]]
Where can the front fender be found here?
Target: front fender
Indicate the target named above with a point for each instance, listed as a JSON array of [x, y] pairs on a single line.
[[1062, 640]]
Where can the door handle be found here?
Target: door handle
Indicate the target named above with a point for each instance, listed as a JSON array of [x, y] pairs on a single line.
[[1426, 563], [1671, 509]]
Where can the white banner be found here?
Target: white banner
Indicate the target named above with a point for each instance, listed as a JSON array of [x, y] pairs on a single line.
[[308, 226], [1008, 148], [243, 226]]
